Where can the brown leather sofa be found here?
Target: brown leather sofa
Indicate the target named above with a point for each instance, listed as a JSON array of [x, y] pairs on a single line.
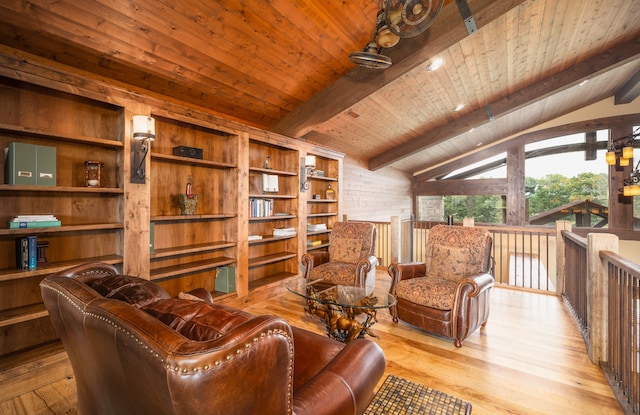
[[136, 350]]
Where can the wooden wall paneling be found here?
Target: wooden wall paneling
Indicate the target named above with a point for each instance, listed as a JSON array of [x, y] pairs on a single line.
[[376, 196]]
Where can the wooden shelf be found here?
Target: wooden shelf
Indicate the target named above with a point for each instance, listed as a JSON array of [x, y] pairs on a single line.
[[270, 259], [54, 136], [192, 218], [326, 179], [191, 161], [191, 249], [267, 239], [272, 171], [313, 248], [272, 279], [322, 201], [22, 314], [61, 189], [53, 267], [271, 196], [311, 233], [321, 215], [64, 228], [174, 270], [268, 218]]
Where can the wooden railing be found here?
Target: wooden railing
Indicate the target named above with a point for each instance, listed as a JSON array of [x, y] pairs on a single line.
[[575, 283], [622, 364]]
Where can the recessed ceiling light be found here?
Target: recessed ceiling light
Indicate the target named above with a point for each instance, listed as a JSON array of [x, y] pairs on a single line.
[[435, 64], [458, 107], [583, 82]]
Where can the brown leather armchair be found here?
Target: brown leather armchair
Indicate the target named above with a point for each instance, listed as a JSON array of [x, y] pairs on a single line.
[[135, 350], [447, 295], [350, 259]]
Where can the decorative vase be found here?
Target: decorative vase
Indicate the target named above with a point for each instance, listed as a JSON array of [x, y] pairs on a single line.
[[187, 204]]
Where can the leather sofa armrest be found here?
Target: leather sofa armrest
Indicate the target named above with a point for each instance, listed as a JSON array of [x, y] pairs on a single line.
[[363, 268], [313, 259], [346, 384], [253, 363], [405, 271], [478, 283]]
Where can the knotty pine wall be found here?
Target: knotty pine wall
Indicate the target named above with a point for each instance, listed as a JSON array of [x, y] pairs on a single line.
[[374, 195]]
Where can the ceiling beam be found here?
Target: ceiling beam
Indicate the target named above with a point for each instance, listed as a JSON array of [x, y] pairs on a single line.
[[618, 55], [463, 187], [629, 91], [532, 137], [447, 30]]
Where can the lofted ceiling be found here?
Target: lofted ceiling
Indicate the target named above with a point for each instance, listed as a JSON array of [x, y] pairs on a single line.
[[283, 66]]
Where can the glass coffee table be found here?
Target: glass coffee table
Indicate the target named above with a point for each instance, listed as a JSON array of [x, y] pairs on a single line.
[[348, 312]]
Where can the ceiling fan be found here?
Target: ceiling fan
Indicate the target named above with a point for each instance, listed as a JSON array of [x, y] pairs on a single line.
[[395, 19]]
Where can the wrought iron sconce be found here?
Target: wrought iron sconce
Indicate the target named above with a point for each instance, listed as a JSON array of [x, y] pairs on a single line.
[[307, 170], [143, 133], [622, 154]]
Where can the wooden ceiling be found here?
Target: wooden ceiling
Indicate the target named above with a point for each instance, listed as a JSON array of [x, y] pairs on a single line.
[[282, 65]]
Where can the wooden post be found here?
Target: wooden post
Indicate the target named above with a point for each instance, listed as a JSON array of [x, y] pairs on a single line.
[[561, 225], [597, 288], [394, 240]]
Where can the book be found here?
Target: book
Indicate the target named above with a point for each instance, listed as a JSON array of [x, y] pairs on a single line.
[[270, 183], [22, 253], [33, 218], [255, 237], [317, 227], [314, 243], [284, 231], [33, 252], [34, 224]]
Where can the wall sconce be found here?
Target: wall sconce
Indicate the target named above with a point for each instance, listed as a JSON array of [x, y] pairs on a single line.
[[144, 131], [622, 154], [307, 170]]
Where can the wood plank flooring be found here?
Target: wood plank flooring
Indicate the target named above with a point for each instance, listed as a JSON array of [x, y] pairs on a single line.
[[530, 359]]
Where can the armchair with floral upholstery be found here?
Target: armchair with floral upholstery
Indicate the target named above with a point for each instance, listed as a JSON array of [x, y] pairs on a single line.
[[447, 295], [350, 259]]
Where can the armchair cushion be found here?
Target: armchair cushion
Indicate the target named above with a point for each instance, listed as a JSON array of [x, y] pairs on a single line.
[[345, 250], [337, 272], [449, 262], [429, 292]]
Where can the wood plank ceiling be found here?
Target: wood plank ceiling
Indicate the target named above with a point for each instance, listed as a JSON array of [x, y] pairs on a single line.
[[283, 65]]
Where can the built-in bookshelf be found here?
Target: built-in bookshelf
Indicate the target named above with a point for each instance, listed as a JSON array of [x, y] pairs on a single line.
[[189, 247], [273, 213], [322, 202], [73, 130]]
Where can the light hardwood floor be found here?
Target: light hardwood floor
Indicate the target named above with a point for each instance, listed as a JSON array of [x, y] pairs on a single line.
[[530, 359]]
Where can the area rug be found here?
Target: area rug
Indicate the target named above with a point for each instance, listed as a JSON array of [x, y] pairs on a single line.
[[398, 396]]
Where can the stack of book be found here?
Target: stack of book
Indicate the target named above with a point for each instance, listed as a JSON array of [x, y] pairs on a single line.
[[284, 231], [316, 227], [33, 221], [255, 237], [314, 243]]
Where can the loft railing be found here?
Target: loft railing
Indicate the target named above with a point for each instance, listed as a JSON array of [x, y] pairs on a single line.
[[575, 283], [622, 364]]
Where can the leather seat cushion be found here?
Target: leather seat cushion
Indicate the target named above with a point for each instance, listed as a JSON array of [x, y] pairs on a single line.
[[133, 290], [196, 320], [340, 273], [429, 292]]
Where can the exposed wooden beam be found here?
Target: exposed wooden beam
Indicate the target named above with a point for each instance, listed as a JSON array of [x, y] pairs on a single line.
[[447, 30], [532, 137], [462, 187], [629, 91], [616, 56]]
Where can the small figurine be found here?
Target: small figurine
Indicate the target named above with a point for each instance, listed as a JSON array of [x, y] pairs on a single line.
[[266, 163]]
